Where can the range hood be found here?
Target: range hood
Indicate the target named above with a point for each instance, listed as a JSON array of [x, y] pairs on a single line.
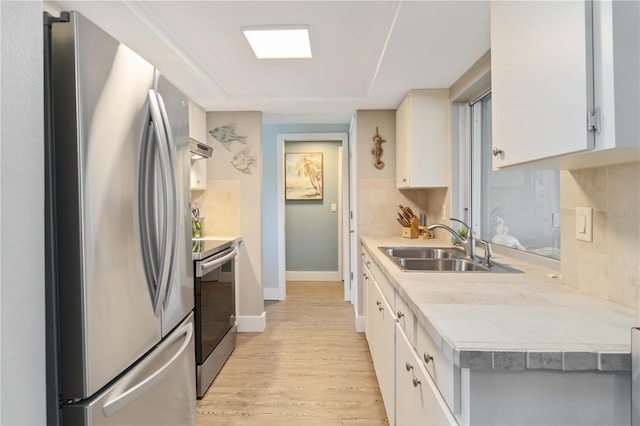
[[199, 150]]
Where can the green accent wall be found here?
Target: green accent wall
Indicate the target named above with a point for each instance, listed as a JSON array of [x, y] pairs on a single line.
[[311, 228]]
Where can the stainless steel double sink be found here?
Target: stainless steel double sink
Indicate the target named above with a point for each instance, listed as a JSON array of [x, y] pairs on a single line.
[[438, 259]]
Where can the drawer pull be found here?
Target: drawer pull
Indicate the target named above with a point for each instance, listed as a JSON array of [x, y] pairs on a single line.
[[408, 366], [378, 303], [416, 382], [427, 358], [400, 314], [368, 262], [380, 308]]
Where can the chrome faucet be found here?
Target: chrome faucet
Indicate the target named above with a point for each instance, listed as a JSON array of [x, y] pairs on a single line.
[[468, 243]]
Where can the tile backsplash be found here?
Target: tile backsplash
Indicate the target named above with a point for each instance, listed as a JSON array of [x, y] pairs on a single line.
[[608, 267], [220, 207], [378, 206]]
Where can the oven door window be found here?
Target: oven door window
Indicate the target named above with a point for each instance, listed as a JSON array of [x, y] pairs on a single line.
[[215, 308]]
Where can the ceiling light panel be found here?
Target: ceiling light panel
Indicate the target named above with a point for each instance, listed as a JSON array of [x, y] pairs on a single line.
[[279, 42]]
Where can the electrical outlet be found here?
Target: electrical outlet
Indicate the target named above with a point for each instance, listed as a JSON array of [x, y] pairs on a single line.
[[334, 207]]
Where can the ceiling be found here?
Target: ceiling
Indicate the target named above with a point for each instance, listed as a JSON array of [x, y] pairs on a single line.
[[366, 54]]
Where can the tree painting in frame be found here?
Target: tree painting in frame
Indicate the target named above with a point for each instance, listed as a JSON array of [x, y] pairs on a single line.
[[303, 176]]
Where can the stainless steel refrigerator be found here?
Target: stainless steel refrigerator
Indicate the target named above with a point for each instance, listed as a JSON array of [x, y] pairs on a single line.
[[120, 344], [635, 376]]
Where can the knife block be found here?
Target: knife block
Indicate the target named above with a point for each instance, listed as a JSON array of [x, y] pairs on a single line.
[[413, 231]]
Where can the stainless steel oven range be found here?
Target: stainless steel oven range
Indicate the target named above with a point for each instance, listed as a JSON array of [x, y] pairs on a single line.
[[215, 308]]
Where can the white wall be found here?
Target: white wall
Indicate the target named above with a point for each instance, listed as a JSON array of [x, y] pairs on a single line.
[[22, 309], [232, 203]]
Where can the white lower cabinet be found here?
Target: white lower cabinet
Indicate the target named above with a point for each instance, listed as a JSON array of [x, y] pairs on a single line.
[[380, 335], [418, 401], [421, 385]]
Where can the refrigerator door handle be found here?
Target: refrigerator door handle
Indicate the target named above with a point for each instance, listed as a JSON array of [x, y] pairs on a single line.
[[130, 392], [173, 208], [148, 226], [168, 240]]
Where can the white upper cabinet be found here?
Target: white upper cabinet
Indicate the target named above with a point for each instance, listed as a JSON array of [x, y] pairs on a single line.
[[197, 123], [422, 139], [198, 132], [564, 76]]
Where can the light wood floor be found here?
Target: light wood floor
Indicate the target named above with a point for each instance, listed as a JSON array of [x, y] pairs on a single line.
[[309, 367]]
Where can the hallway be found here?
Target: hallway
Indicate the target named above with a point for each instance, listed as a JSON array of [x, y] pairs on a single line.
[[309, 367]]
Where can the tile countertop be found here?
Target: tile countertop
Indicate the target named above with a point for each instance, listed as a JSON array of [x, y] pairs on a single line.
[[507, 321], [206, 246]]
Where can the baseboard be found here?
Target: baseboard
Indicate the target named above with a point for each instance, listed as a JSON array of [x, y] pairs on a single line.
[[272, 294], [359, 320], [247, 324], [313, 276]]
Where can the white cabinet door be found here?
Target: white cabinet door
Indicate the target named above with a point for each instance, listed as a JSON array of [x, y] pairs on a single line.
[[418, 401], [422, 139], [199, 175], [541, 78], [383, 353], [370, 309], [198, 132], [197, 123]]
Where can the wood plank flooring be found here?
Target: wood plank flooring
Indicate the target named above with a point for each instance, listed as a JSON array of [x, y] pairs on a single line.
[[309, 367]]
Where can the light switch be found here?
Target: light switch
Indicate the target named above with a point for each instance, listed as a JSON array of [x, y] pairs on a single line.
[[334, 207], [584, 224]]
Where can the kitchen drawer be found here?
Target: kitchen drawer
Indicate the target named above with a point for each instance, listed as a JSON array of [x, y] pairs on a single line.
[[385, 286], [418, 400], [406, 319], [437, 358]]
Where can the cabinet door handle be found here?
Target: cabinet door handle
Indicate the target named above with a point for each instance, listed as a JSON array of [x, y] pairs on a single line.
[[408, 366], [378, 303], [404, 180], [368, 262], [416, 382], [427, 358], [497, 152], [400, 314], [380, 308]]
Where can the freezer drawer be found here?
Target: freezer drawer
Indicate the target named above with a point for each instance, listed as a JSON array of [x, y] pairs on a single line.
[[164, 378]]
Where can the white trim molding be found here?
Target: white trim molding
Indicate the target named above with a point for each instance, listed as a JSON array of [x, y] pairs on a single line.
[[271, 293], [313, 276], [248, 324], [284, 275], [359, 321]]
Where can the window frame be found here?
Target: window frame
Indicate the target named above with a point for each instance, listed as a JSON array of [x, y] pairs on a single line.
[[468, 179]]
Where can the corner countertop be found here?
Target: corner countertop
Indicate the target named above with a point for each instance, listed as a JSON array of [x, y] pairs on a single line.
[[206, 246], [507, 321]]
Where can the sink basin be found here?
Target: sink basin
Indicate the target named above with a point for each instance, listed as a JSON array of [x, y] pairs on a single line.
[[441, 265], [450, 265], [438, 259], [423, 252]]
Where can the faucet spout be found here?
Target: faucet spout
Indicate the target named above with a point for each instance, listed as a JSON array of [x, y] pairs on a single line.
[[468, 243]]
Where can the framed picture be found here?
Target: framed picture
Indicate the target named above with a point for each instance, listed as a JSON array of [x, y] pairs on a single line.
[[303, 176]]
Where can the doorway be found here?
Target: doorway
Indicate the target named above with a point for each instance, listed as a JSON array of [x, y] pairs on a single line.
[[304, 213]]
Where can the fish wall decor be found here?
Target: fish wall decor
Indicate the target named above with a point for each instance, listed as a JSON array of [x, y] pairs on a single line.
[[377, 151], [243, 160], [226, 135]]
